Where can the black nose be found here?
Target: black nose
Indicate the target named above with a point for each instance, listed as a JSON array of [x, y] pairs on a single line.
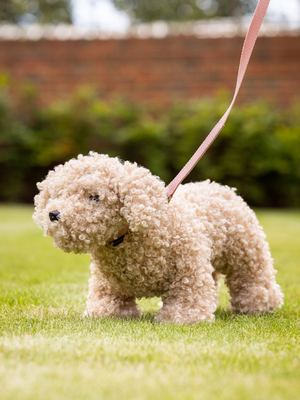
[[54, 216]]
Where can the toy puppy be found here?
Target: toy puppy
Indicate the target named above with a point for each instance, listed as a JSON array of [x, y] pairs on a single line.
[[142, 246]]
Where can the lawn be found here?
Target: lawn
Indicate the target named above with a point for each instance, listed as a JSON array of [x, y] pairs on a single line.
[[49, 351]]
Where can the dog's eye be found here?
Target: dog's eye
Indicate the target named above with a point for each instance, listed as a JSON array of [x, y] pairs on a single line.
[[95, 198]]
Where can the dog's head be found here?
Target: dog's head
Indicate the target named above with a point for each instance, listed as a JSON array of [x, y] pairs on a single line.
[[85, 202]]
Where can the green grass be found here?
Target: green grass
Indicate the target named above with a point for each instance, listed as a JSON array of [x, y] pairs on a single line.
[[48, 351]]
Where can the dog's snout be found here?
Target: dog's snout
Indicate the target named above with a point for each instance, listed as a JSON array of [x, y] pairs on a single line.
[[54, 215]]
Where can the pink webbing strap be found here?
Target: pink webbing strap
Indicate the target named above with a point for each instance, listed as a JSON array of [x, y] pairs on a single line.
[[245, 57]]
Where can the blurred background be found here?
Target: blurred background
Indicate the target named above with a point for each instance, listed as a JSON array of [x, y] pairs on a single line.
[[146, 80]]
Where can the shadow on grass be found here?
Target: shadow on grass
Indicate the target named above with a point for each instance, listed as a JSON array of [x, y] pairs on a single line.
[[221, 314], [33, 320]]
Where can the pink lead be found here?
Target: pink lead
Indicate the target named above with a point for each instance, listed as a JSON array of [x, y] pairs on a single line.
[[248, 46]]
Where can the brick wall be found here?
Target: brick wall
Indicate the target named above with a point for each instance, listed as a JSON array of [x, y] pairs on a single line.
[[154, 70]]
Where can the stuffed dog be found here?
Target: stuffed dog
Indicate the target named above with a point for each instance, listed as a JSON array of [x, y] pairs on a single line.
[[141, 245]]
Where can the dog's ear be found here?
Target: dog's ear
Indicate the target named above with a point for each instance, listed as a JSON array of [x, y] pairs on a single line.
[[143, 197]]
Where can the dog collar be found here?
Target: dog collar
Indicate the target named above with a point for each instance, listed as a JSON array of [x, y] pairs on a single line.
[[121, 234], [116, 242]]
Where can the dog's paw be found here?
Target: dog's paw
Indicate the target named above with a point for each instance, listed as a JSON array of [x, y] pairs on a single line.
[[114, 310]]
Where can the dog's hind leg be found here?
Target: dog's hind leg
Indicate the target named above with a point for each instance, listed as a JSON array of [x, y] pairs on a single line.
[[250, 276], [104, 301]]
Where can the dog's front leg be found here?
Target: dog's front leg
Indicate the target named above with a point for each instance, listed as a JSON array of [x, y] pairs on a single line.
[[192, 299], [105, 301]]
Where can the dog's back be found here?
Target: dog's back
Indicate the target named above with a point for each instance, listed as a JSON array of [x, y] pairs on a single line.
[[225, 216]]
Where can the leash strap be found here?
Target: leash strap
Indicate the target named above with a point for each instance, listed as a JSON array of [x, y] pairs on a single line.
[[248, 46]]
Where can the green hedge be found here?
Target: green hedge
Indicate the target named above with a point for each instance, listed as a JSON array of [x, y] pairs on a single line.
[[257, 152]]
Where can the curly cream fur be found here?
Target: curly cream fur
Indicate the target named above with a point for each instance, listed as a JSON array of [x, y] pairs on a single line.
[[175, 250]]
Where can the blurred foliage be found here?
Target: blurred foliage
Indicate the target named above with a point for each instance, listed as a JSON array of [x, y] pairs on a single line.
[[35, 11], [257, 151], [183, 10]]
